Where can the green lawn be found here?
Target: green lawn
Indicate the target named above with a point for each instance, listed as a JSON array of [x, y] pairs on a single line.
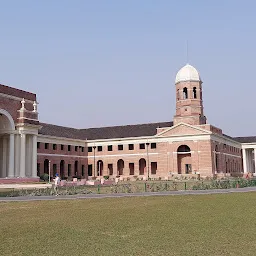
[[169, 225]]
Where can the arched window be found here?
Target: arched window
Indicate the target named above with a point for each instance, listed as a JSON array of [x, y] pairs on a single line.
[[194, 92], [185, 93], [100, 168], [120, 166], [183, 148], [142, 166]]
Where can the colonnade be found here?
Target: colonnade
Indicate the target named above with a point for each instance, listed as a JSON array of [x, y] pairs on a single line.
[[18, 155], [249, 158]]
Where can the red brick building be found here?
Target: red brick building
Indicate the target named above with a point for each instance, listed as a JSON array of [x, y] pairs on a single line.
[[186, 146]]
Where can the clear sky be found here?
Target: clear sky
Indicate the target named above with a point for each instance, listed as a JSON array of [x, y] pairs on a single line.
[[113, 62]]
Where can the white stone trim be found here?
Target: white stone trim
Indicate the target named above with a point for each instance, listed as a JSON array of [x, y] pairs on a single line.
[[123, 155], [251, 145], [222, 139], [183, 124], [153, 139], [59, 155], [32, 119], [4, 112], [227, 154], [14, 97], [98, 156], [60, 140]]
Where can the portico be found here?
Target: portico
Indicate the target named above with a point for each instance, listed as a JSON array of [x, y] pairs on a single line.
[[249, 153], [18, 148]]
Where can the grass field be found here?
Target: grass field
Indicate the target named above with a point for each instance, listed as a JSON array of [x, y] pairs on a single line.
[[223, 224]]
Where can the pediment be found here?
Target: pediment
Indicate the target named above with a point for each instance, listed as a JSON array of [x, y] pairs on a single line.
[[182, 129]]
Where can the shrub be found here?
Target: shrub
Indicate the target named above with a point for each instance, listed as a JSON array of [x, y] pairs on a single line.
[[106, 177], [44, 177]]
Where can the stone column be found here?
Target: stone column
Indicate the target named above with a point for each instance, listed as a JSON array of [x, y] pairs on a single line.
[[17, 155], [11, 157], [244, 160], [34, 156], [23, 155], [4, 163]]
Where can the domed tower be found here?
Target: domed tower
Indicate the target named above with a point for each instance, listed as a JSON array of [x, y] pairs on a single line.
[[189, 102]]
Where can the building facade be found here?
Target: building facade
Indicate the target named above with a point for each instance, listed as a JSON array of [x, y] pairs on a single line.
[[186, 146]]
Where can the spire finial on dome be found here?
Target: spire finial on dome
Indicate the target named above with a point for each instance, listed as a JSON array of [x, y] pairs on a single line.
[[187, 51]]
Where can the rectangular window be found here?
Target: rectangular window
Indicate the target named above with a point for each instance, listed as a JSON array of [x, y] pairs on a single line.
[[38, 169], [54, 146], [89, 149], [99, 148], [110, 169], [38, 144], [131, 146], [76, 148], [69, 170], [82, 170], [69, 147], [62, 147], [142, 146], [89, 169], [82, 149], [153, 167], [110, 148], [120, 147], [153, 145], [54, 167], [46, 145]]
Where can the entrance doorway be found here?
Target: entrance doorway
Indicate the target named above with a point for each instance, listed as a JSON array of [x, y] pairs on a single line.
[[184, 160]]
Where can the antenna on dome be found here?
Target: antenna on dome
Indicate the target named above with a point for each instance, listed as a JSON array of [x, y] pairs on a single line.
[[187, 51]]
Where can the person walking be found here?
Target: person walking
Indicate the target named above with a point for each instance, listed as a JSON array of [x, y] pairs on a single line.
[[56, 183]]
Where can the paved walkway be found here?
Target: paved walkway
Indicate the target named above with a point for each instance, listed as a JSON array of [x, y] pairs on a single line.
[[93, 196]]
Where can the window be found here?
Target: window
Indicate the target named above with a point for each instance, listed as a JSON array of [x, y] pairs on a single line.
[[38, 169], [131, 168], [178, 94], [69, 169], [142, 146], [153, 145], [99, 148], [76, 148], [38, 144], [131, 146], [185, 93], [89, 169], [120, 147], [110, 148], [54, 167], [69, 148], [82, 170], [153, 167], [46, 145], [194, 92], [82, 149], [89, 149], [110, 169], [62, 147], [54, 146]]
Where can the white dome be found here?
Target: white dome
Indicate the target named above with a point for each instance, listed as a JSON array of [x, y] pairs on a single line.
[[187, 73]]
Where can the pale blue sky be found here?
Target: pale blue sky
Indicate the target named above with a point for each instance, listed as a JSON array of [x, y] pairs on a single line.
[[112, 62]]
